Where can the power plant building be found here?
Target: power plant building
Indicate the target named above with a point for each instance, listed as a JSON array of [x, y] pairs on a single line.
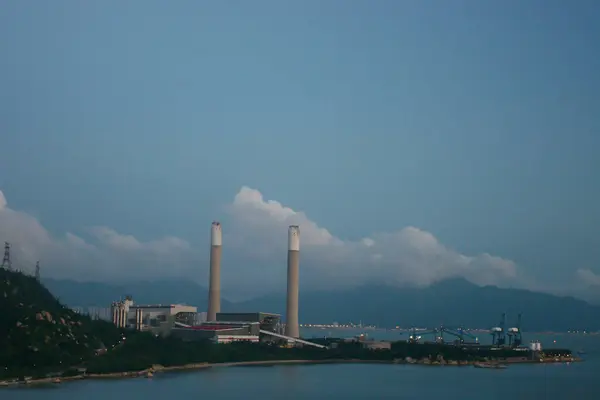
[[157, 317], [267, 321], [230, 327], [219, 332]]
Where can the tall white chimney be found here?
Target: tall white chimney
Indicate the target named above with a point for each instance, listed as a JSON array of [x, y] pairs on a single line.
[[214, 286], [292, 327]]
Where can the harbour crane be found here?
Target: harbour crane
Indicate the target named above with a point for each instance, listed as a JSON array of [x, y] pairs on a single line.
[[460, 333], [415, 338], [498, 338], [514, 334]]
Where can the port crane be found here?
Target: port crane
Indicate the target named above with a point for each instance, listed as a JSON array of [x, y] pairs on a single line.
[[415, 335], [459, 333], [514, 334], [498, 338]]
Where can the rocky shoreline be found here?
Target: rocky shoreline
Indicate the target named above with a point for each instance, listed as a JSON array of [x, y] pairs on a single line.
[[150, 372]]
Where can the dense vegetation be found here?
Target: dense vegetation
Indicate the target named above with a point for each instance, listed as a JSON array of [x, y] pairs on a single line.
[[38, 334], [142, 350]]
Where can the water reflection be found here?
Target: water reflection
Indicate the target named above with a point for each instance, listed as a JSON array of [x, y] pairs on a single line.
[[290, 376]]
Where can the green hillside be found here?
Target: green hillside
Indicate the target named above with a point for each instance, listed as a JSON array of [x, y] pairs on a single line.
[[39, 335]]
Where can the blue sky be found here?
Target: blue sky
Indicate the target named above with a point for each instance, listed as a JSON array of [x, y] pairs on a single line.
[[477, 121]]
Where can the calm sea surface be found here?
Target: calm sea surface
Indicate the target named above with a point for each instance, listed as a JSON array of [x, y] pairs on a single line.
[[353, 381]]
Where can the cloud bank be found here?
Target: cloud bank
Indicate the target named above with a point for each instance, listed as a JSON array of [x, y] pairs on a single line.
[[408, 256], [103, 255], [588, 278], [254, 253]]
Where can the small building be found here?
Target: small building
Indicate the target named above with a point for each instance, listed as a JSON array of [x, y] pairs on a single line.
[[375, 345]]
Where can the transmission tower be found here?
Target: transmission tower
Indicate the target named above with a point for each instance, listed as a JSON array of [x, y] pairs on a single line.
[[37, 271], [6, 260]]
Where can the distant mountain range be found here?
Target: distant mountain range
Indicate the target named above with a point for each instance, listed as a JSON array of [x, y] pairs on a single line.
[[96, 294], [451, 302]]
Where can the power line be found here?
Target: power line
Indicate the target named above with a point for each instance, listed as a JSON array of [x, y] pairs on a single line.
[[6, 263]]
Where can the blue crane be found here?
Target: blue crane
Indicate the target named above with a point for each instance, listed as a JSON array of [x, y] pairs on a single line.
[[415, 335], [498, 337], [460, 333], [514, 334]]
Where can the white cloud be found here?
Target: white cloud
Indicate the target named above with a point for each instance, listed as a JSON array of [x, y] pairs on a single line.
[[588, 278], [254, 254], [117, 241], [108, 255], [368, 242], [408, 256]]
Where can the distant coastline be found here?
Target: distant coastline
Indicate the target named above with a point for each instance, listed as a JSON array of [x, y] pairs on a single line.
[[408, 330], [380, 328]]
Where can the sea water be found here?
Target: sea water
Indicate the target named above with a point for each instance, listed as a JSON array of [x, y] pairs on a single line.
[[579, 381]]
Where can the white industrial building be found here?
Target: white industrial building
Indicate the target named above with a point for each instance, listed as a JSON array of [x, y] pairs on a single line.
[[126, 314]]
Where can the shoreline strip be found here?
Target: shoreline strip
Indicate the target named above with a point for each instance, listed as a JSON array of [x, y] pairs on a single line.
[[149, 372]]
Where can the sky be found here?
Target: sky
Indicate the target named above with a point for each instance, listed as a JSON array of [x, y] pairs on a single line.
[[411, 140]]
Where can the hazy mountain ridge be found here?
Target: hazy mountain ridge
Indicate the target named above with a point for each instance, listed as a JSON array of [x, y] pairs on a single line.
[[97, 294], [453, 302], [450, 302]]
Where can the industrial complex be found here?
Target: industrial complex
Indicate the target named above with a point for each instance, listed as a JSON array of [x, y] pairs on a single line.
[[182, 321]]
